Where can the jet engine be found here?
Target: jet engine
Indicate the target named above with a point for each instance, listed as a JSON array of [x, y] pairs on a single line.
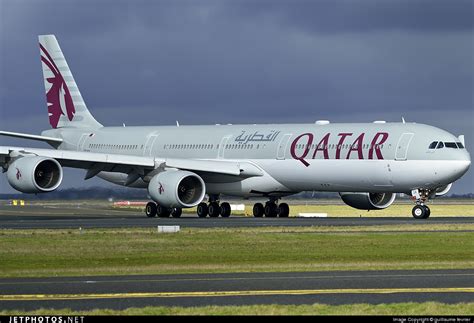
[[440, 191], [177, 189], [368, 201], [35, 174]]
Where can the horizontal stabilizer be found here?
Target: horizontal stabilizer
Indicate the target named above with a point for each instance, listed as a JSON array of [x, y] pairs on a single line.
[[55, 142]]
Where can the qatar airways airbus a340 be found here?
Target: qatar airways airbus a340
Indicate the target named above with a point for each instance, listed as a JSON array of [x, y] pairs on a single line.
[[367, 163]]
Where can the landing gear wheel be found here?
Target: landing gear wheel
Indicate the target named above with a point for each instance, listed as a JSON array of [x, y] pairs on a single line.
[[214, 209], [419, 212], [202, 210], [163, 212], [150, 209], [283, 210], [225, 210], [427, 212], [176, 213], [270, 210], [258, 210]]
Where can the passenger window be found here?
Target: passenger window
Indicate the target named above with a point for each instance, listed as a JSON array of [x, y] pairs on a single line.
[[460, 145], [450, 145], [433, 145], [440, 145]]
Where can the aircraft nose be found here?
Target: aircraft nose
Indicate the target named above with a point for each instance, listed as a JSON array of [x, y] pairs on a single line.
[[464, 163], [464, 166]]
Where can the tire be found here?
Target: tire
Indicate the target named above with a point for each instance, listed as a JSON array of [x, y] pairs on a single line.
[[214, 209], [202, 210], [419, 212], [163, 212], [283, 210], [258, 210], [427, 212], [176, 213], [225, 210], [150, 209], [270, 210]]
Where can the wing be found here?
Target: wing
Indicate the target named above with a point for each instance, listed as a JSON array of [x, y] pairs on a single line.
[[135, 166]]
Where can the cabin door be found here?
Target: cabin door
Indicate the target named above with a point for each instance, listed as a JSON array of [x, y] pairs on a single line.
[[283, 145], [402, 146]]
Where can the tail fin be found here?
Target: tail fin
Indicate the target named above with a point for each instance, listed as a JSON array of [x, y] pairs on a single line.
[[66, 108]]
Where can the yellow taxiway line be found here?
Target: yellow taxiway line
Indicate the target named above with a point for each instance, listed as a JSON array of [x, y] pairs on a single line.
[[54, 297]]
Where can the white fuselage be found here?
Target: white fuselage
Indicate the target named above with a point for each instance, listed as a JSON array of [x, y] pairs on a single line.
[[369, 157]]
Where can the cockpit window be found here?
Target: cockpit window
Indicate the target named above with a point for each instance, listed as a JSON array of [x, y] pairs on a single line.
[[433, 145], [440, 144], [450, 145]]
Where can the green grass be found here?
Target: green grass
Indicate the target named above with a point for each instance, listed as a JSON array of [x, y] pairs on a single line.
[[404, 309], [34, 253]]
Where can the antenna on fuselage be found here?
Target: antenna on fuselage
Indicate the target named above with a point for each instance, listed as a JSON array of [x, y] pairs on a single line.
[[177, 123], [403, 119]]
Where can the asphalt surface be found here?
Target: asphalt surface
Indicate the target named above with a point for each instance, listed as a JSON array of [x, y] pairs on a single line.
[[345, 287], [38, 217]]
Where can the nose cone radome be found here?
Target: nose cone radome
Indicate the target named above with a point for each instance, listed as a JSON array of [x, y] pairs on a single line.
[[465, 163]]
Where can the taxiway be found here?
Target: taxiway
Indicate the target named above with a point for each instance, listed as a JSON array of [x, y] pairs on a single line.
[[37, 217], [344, 287]]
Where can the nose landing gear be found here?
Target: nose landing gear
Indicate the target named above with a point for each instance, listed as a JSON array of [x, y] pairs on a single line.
[[420, 210]]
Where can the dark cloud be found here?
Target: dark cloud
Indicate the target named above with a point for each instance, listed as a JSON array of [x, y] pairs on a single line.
[[152, 62], [342, 16]]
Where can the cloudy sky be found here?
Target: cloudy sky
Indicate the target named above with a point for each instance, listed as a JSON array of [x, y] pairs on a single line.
[[206, 62]]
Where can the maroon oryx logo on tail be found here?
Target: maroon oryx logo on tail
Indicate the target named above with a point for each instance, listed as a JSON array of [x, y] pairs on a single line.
[[58, 96]]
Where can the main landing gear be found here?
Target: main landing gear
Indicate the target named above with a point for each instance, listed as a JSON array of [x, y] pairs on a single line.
[[214, 208], [420, 210], [152, 209], [271, 209]]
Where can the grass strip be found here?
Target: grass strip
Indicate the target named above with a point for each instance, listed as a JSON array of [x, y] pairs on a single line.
[[40, 253]]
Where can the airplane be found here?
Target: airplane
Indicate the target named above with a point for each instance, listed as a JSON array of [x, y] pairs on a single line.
[[367, 163]]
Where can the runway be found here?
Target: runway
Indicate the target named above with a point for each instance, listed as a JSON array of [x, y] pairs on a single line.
[[345, 287], [37, 217]]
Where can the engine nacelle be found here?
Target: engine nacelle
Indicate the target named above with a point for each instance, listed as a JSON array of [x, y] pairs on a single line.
[[440, 191], [35, 174], [177, 188], [368, 201]]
